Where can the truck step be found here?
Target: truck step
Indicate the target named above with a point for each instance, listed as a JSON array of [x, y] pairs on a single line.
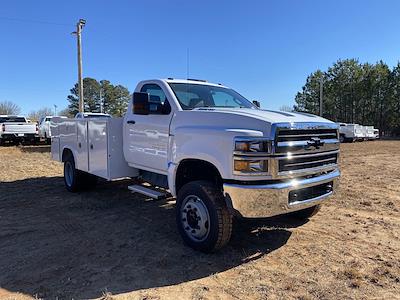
[[147, 192]]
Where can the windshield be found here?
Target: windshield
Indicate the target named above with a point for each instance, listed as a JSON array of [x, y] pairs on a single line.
[[12, 120], [191, 96]]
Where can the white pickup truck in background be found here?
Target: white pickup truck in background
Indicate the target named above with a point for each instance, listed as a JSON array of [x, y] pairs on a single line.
[[45, 129], [219, 154], [17, 129]]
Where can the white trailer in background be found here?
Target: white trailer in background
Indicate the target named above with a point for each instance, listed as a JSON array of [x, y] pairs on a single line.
[[364, 132], [370, 132], [351, 132], [376, 133]]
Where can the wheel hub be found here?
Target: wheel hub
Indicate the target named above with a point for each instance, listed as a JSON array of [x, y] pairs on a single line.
[[195, 218]]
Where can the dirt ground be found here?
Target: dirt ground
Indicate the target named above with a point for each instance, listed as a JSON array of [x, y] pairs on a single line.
[[111, 244]]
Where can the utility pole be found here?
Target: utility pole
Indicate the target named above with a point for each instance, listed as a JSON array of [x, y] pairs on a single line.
[[55, 110], [78, 32], [321, 91], [101, 101]]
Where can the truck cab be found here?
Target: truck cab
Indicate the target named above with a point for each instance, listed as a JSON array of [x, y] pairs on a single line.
[[218, 154]]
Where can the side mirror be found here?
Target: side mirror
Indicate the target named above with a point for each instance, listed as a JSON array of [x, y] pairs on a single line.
[[141, 104], [257, 103]]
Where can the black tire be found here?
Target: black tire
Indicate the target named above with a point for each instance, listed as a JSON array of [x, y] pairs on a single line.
[[306, 213], [78, 180], [73, 178], [218, 217], [342, 138]]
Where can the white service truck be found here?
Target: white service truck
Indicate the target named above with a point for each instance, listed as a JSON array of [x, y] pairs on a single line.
[[17, 129], [217, 153]]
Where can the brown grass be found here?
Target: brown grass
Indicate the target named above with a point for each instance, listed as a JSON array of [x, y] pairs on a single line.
[[111, 244]]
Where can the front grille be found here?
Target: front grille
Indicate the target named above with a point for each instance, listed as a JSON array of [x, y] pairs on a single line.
[[310, 192], [305, 148], [305, 134], [299, 163], [306, 140]]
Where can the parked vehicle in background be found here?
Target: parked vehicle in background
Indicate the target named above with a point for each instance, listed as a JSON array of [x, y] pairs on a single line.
[[363, 133], [86, 115], [212, 149], [17, 129], [376, 133], [351, 132], [370, 132], [45, 129]]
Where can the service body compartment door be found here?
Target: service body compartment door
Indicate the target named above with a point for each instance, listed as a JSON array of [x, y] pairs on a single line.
[[82, 158], [117, 165], [98, 152]]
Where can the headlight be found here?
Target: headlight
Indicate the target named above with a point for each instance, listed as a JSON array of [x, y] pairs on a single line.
[[251, 146], [251, 156]]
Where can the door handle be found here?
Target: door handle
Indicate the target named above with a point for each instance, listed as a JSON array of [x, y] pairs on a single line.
[[91, 146], [131, 122]]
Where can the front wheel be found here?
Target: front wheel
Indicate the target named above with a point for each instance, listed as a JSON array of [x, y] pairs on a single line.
[[202, 216]]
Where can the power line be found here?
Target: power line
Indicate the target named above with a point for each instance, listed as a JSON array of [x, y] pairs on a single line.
[[33, 21]]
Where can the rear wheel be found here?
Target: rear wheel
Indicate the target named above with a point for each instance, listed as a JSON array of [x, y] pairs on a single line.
[[202, 216], [306, 213], [76, 180]]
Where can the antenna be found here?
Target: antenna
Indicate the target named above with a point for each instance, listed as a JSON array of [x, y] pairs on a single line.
[[187, 62]]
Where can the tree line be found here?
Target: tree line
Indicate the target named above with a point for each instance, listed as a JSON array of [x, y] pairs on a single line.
[[354, 92]]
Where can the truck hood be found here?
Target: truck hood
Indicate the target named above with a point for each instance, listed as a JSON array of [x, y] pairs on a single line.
[[268, 115]]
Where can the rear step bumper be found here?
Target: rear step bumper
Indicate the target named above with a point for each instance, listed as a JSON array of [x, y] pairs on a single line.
[[280, 198]]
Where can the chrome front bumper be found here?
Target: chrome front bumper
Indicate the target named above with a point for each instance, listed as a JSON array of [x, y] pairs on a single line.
[[273, 199]]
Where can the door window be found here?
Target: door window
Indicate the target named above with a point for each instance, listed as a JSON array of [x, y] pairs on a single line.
[[158, 100]]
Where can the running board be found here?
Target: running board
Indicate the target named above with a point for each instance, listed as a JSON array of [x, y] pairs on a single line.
[[147, 192]]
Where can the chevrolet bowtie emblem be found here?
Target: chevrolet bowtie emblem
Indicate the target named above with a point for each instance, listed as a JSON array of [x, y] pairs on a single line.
[[315, 142]]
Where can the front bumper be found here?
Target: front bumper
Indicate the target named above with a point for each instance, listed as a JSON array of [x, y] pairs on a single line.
[[273, 199]]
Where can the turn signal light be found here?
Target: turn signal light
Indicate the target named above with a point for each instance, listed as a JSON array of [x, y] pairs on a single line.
[[251, 166]]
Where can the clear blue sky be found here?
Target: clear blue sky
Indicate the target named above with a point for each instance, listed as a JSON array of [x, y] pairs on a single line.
[[263, 49]]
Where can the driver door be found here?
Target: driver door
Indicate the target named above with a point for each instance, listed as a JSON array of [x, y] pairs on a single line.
[[148, 135]]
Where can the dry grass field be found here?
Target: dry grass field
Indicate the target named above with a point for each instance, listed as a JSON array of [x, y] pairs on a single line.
[[111, 244]]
